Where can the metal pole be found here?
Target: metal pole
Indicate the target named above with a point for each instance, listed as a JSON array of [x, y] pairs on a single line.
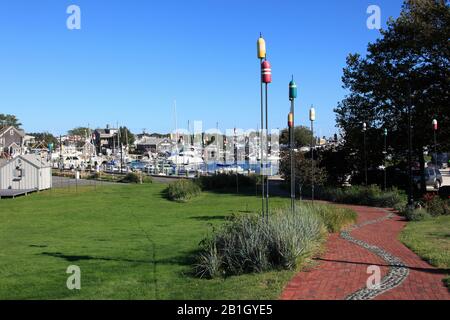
[[410, 189], [365, 159], [385, 155], [267, 153], [292, 146], [435, 149], [236, 160], [312, 161], [262, 147]]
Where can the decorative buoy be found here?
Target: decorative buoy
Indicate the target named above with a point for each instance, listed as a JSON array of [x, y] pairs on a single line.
[[435, 124], [261, 47], [312, 114], [266, 72], [292, 90], [290, 120]]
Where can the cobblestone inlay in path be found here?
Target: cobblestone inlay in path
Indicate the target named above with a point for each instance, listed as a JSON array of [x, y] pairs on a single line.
[[398, 271]]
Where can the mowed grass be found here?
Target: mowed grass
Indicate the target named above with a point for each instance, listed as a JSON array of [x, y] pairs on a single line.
[[129, 241], [430, 239]]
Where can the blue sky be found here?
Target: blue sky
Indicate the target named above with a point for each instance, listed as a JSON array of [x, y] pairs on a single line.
[[132, 59]]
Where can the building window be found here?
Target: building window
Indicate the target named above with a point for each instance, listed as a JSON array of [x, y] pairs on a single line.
[[18, 173], [11, 132]]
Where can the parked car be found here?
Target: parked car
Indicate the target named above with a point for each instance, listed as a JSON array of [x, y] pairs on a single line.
[[433, 178]]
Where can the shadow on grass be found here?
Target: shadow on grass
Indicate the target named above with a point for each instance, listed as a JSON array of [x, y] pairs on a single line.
[[77, 258], [210, 218], [165, 194], [187, 259]]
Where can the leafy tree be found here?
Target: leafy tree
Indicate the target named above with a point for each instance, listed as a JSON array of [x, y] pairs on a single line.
[[45, 138], [405, 75], [303, 170], [7, 120], [338, 165], [125, 134], [80, 131], [302, 136]]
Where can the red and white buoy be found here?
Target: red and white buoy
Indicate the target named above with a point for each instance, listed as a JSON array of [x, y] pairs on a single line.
[[266, 72]]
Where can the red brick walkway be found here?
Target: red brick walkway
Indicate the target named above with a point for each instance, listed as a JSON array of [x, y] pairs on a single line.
[[342, 270]]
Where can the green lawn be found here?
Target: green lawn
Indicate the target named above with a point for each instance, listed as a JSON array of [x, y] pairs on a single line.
[[430, 239], [109, 233]]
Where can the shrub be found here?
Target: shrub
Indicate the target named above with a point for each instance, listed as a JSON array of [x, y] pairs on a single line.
[[94, 176], [249, 244], [183, 190], [131, 178], [360, 195], [444, 192], [416, 214], [436, 206]]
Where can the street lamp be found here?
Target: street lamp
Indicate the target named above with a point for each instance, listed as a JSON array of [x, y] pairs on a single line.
[[312, 118], [365, 154], [435, 129], [291, 125]]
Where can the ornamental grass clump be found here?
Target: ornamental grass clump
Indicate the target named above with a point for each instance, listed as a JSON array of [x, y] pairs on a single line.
[[335, 218], [251, 244], [183, 190]]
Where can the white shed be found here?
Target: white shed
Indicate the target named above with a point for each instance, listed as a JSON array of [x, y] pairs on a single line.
[[25, 172]]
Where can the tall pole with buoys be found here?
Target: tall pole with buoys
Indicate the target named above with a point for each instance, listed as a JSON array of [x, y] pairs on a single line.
[[312, 118], [291, 125], [266, 75], [261, 53]]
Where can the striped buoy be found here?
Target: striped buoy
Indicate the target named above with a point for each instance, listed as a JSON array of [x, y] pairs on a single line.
[[266, 72]]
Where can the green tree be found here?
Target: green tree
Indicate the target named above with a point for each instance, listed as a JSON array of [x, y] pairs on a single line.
[[45, 138], [405, 73], [80, 131], [125, 134], [303, 170], [302, 136], [7, 120]]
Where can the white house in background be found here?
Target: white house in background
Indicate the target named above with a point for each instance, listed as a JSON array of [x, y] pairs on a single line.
[[25, 172]]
